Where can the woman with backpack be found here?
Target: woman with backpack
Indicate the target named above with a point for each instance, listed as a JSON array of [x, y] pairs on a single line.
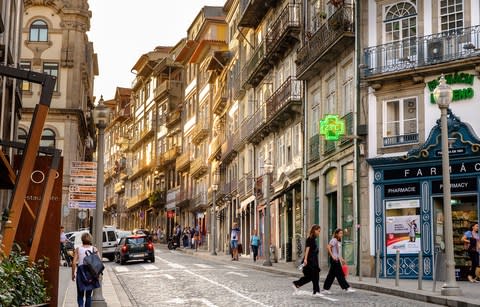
[[85, 281]]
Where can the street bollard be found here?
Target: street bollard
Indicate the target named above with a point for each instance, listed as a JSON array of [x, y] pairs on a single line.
[[420, 270], [434, 272], [397, 269], [377, 266]]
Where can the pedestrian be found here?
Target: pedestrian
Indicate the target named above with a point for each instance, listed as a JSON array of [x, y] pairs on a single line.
[[80, 253], [159, 234], [255, 242], [311, 269], [334, 249], [234, 239], [471, 240], [192, 235], [196, 238]]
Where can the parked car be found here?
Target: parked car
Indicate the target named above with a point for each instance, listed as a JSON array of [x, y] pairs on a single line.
[[123, 233], [109, 241], [134, 247]]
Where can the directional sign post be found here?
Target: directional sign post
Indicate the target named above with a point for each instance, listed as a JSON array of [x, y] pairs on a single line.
[[82, 189]]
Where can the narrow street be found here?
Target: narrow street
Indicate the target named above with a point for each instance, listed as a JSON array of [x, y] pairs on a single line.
[[184, 280]]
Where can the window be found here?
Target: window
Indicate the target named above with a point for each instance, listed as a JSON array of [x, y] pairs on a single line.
[[316, 97], [26, 86], [451, 15], [400, 122], [330, 103], [288, 144], [38, 31], [315, 15], [22, 135], [401, 25], [347, 89], [52, 70], [48, 138]]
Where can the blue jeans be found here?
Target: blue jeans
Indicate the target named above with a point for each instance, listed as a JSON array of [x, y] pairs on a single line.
[[81, 294]]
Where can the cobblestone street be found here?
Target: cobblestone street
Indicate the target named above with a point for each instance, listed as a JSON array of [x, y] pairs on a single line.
[[184, 280]]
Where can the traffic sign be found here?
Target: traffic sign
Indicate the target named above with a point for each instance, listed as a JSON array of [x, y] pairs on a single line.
[[82, 197], [82, 215], [82, 188], [84, 164]]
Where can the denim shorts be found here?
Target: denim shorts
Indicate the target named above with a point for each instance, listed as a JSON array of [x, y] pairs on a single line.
[[234, 244]]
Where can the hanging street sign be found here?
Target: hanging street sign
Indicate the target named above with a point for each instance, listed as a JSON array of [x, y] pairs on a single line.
[[82, 205], [332, 127]]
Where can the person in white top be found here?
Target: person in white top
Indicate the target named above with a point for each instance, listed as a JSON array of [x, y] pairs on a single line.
[[78, 260]]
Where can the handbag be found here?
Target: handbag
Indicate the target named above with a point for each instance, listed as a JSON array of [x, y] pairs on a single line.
[[85, 280], [93, 262], [240, 248], [345, 269]]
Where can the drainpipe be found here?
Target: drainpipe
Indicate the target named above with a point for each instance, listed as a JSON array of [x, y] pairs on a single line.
[[305, 145], [356, 165], [6, 40]]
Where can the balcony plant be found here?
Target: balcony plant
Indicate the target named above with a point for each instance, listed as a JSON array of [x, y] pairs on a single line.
[[155, 197], [22, 282]]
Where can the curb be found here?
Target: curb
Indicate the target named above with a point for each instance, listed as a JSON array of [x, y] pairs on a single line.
[[419, 295]]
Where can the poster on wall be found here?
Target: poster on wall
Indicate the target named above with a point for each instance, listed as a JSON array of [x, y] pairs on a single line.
[[403, 234]]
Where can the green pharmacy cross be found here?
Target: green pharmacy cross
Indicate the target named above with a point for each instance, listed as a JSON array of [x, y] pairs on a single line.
[[332, 127]]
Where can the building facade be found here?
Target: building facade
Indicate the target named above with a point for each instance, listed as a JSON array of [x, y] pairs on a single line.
[[56, 42]]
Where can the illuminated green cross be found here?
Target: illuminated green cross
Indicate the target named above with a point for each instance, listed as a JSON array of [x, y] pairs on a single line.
[[332, 127]]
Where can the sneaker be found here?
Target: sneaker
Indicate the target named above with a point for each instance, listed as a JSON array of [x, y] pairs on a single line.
[[318, 294], [295, 290], [326, 291], [349, 290]]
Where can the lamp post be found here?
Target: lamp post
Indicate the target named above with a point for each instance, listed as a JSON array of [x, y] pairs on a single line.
[[100, 118], [214, 213], [443, 96], [268, 168]]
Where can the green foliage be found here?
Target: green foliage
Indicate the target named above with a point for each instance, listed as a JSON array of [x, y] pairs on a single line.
[[21, 281]]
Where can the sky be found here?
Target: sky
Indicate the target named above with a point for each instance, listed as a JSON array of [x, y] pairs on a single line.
[[123, 30]]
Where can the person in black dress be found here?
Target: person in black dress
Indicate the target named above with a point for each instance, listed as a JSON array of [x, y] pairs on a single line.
[[311, 269]]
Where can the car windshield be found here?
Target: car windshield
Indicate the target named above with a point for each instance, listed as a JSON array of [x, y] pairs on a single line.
[[136, 241]]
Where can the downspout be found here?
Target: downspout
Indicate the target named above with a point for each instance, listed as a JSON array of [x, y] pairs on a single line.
[[356, 161], [5, 62], [305, 145], [16, 60]]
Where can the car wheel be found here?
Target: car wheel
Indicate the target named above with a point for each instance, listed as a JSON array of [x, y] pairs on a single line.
[[122, 261], [152, 260]]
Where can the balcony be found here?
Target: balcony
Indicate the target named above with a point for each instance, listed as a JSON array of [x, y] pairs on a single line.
[[183, 198], [347, 139], [324, 46], [314, 144], [173, 88], [157, 198], [215, 149], [146, 133], [253, 11], [183, 162], [169, 156], [328, 147], [237, 90], [421, 54], [200, 131], [220, 100], [228, 152], [119, 187], [200, 201], [410, 138], [245, 131], [199, 167], [283, 33], [136, 200], [173, 118], [257, 66], [140, 169], [257, 128], [285, 101], [172, 195]]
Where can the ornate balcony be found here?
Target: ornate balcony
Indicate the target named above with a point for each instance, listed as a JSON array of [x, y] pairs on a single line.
[[199, 167], [172, 195], [183, 162], [284, 102], [200, 200], [237, 90], [146, 133], [173, 118], [200, 131], [425, 53], [314, 144], [169, 156], [183, 198], [220, 100], [258, 128], [323, 46], [138, 199], [141, 168], [257, 66], [403, 139], [215, 150], [228, 151], [349, 120], [283, 33], [157, 198], [253, 11], [173, 88]]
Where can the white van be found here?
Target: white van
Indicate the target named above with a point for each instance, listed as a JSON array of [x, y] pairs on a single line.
[[109, 241]]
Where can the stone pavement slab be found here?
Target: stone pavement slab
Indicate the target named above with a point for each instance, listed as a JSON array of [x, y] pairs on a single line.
[[407, 288]]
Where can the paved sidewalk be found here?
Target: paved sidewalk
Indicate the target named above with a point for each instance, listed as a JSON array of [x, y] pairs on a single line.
[[113, 292], [407, 288]]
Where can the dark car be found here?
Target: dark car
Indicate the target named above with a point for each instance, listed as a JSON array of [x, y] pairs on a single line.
[[134, 247]]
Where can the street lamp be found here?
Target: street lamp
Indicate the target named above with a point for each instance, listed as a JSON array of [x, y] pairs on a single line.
[[268, 169], [214, 212], [443, 96], [100, 118]]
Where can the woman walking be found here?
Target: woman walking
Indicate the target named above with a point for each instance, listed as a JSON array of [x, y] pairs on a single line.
[[77, 267], [255, 241], [234, 238], [334, 248], [472, 240], [311, 269]]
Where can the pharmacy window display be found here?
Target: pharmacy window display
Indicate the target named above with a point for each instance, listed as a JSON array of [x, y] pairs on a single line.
[[402, 227]]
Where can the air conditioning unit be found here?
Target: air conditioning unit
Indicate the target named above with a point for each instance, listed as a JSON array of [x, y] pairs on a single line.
[[434, 50]]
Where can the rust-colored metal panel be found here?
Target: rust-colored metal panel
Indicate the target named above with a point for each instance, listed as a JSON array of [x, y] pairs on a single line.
[[49, 245]]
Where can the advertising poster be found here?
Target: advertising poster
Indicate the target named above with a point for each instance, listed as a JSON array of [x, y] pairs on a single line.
[[403, 234]]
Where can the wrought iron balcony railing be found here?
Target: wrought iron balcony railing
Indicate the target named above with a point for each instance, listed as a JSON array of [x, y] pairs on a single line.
[[220, 100], [314, 144], [227, 148], [200, 200], [328, 147], [416, 52], [200, 131], [400, 139], [253, 11], [348, 118], [173, 118], [257, 66], [199, 167], [284, 30], [290, 91], [183, 161], [336, 33]]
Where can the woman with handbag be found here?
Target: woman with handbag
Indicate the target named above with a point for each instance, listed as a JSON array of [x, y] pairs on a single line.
[[80, 273], [334, 248], [311, 269], [471, 240]]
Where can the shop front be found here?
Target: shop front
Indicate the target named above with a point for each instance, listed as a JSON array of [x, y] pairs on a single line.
[[408, 202]]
